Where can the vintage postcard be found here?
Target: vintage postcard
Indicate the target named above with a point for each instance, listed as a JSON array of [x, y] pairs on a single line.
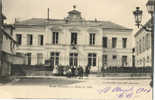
[[77, 49]]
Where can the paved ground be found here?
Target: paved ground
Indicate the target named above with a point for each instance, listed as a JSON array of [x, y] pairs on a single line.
[[94, 88]]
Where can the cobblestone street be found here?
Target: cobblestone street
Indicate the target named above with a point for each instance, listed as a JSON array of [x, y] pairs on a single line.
[[87, 88]]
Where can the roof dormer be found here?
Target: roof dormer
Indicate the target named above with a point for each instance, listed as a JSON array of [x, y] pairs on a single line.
[[74, 15]]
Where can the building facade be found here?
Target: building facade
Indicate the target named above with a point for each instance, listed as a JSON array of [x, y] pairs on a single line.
[[8, 55], [143, 47], [74, 41]]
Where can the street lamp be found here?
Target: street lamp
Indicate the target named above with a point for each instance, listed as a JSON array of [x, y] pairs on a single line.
[[138, 18]]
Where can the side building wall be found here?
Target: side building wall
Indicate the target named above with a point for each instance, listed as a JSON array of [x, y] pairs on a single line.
[[143, 49]]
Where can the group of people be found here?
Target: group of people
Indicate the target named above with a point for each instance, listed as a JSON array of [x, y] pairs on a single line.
[[71, 71]]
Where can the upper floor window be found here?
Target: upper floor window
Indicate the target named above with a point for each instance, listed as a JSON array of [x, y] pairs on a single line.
[[140, 49], [137, 47], [148, 59], [92, 38], [104, 42], [19, 39], [114, 42], [73, 38], [29, 39], [114, 57], [40, 39], [143, 44], [55, 37], [124, 42], [147, 41]]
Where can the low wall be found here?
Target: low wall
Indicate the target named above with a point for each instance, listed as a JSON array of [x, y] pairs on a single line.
[[38, 73], [126, 74], [29, 70]]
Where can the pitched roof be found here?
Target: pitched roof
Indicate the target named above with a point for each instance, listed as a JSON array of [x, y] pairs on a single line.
[[42, 22], [111, 25]]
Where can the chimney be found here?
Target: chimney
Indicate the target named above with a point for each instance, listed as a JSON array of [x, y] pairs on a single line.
[[48, 15]]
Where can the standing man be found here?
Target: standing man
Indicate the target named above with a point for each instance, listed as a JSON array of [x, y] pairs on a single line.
[[87, 70]]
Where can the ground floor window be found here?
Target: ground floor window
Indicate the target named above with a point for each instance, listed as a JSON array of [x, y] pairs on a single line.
[[91, 59], [73, 59], [55, 58], [104, 60], [39, 58], [124, 60], [29, 57]]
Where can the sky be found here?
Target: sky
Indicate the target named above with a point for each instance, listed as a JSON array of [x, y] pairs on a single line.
[[118, 11]]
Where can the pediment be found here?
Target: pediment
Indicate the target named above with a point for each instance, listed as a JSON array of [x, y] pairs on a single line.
[[74, 29], [92, 30], [56, 28]]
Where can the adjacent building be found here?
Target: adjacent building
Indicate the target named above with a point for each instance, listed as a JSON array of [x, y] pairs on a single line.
[[143, 47], [74, 41], [8, 55]]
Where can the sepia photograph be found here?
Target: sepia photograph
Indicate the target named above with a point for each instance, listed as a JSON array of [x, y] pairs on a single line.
[[77, 49]]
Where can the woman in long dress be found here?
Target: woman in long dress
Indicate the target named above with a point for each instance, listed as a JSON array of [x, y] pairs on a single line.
[[55, 70]]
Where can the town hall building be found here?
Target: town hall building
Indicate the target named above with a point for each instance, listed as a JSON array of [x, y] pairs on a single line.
[[74, 41]]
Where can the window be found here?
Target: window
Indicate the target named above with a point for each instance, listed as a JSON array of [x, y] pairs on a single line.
[[147, 41], [18, 53], [55, 58], [124, 42], [143, 62], [40, 39], [73, 38], [1, 40], [114, 42], [104, 59], [55, 37], [29, 39], [91, 59], [143, 44], [11, 45], [137, 47], [140, 46], [138, 62], [114, 57], [104, 42], [29, 58], [73, 59], [19, 39], [92, 38], [39, 58], [148, 59], [124, 60]]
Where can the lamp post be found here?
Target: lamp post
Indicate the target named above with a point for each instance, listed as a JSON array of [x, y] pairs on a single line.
[[138, 18]]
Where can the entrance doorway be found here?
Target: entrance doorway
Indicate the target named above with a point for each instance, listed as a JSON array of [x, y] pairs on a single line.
[[54, 59]]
